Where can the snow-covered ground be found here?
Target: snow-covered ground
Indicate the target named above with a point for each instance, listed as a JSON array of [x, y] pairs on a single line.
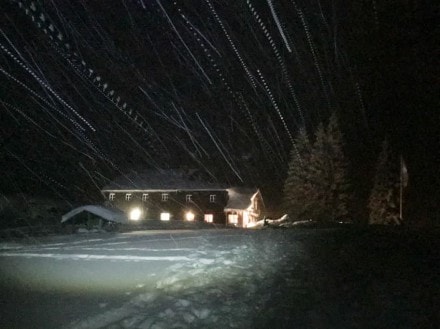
[[344, 278]]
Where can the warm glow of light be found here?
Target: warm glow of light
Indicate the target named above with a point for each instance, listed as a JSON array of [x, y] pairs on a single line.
[[165, 216], [135, 214], [189, 216], [252, 224], [209, 218], [233, 219], [245, 218]]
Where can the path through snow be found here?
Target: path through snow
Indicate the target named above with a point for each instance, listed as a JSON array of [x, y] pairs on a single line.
[[332, 278]]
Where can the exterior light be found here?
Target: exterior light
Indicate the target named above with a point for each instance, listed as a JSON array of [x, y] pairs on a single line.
[[135, 214], [165, 216], [189, 216]]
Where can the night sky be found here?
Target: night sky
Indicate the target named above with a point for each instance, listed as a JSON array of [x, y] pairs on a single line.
[[92, 89]]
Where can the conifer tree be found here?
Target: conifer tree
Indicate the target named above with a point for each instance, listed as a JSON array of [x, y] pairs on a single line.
[[329, 167], [318, 187], [384, 198], [338, 166], [296, 191], [320, 175]]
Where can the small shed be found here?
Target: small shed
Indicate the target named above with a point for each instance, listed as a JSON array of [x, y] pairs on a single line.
[[87, 213]]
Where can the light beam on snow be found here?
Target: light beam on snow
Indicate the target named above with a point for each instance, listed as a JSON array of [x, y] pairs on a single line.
[[98, 257]]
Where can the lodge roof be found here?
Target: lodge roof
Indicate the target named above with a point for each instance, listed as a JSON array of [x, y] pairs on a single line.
[[161, 180]]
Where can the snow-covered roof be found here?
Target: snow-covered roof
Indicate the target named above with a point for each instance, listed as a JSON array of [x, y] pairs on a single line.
[[160, 180], [111, 214], [240, 198]]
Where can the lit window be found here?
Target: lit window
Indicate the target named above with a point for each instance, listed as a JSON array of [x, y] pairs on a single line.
[[188, 198], [128, 196], [212, 198], [189, 216], [165, 196], [165, 216], [111, 196], [233, 219], [144, 196], [209, 218]]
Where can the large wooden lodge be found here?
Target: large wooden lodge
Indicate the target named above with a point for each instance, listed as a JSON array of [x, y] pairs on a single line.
[[176, 195]]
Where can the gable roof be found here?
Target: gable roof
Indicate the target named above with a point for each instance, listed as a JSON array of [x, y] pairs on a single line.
[[151, 180], [240, 198]]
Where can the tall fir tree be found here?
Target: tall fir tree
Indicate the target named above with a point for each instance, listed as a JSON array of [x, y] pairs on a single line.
[[320, 175], [317, 185], [383, 203], [296, 191], [340, 187]]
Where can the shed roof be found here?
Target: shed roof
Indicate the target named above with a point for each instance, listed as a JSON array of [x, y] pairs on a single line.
[[110, 214], [160, 180]]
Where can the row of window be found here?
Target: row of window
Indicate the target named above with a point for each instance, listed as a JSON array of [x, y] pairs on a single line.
[[209, 218], [189, 216], [165, 197]]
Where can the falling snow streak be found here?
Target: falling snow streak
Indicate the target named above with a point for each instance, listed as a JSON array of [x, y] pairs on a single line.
[[34, 93], [234, 48], [28, 118], [220, 74], [43, 179], [313, 50], [236, 96], [183, 42], [376, 16], [198, 147], [79, 131], [199, 32], [279, 59], [275, 105], [219, 148], [362, 104], [36, 124], [59, 41], [46, 86], [266, 147], [188, 71], [278, 24], [277, 141]]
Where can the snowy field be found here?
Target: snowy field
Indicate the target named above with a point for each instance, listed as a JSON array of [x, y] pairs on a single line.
[[270, 278]]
